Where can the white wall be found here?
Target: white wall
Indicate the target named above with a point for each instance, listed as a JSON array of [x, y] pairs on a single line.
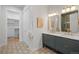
[[3, 37], [29, 25]]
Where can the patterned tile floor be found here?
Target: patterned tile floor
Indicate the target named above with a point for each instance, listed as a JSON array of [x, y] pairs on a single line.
[[16, 47]]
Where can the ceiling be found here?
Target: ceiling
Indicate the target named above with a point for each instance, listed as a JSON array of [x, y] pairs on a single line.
[[21, 7]]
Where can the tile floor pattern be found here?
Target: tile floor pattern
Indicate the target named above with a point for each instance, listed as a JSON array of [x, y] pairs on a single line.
[[16, 47]]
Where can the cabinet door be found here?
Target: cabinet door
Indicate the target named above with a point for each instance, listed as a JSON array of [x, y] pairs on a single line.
[[59, 43], [74, 46], [62, 45], [49, 40], [44, 38], [68, 45], [52, 41]]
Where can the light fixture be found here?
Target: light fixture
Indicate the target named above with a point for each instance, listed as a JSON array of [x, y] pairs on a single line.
[[67, 9], [73, 8], [63, 11], [53, 14]]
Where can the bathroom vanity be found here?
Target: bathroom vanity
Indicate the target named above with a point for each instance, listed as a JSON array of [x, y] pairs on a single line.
[[62, 43]]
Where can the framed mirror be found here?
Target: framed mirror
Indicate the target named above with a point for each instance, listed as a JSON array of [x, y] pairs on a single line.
[[53, 23], [69, 22]]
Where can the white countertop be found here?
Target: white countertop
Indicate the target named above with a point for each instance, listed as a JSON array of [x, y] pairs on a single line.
[[74, 36]]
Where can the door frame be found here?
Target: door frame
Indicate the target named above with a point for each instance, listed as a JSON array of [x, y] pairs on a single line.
[[6, 13]]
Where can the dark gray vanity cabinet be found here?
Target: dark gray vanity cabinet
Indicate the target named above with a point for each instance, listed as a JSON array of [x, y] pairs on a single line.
[[61, 44], [49, 40]]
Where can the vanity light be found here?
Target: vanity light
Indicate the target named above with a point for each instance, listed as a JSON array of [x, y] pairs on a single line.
[[67, 9], [73, 8], [53, 14], [63, 11]]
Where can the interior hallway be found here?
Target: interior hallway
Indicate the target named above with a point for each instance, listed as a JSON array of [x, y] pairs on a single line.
[[15, 47]]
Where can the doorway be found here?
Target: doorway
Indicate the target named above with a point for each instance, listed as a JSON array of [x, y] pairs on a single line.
[[13, 19]]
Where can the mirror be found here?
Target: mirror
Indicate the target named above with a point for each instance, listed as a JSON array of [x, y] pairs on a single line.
[[53, 23], [69, 22]]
